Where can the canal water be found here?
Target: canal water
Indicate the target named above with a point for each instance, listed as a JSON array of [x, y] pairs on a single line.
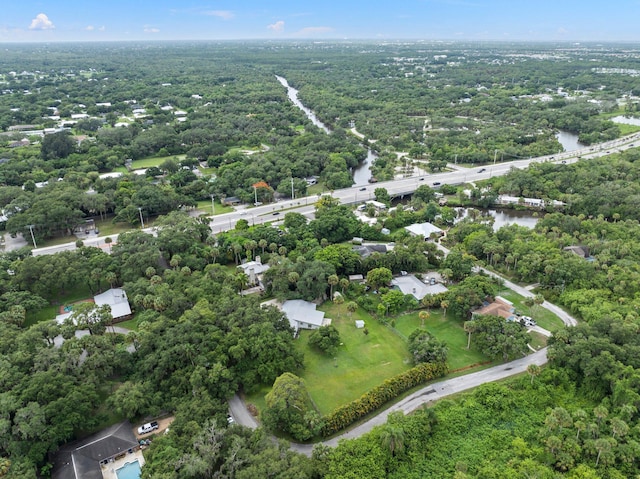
[[362, 172], [569, 141], [503, 217]]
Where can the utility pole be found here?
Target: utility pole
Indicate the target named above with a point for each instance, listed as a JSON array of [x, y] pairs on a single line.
[[33, 238], [141, 220], [213, 206], [293, 195], [255, 195], [495, 156]]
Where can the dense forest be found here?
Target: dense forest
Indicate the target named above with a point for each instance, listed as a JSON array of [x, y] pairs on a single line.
[[211, 119]]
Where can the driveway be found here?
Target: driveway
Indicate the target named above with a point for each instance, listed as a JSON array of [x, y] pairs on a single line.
[[441, 389]]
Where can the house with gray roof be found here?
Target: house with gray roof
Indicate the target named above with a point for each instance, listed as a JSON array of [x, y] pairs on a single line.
[[85, 458], [303, 315], [425, 230], [409, 284]]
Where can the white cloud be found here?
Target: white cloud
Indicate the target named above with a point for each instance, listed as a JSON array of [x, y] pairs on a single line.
[[151, 30], [90, 28], [41, 22], [224, 14], [276, 27], [102, 28]]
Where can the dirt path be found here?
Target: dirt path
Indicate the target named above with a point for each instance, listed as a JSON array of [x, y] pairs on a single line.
[[163, 425]]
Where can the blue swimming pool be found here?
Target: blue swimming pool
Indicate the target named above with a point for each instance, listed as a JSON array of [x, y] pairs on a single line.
[[130, 470]]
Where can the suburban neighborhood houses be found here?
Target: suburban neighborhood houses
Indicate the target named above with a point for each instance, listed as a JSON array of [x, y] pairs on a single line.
[[275, 258]]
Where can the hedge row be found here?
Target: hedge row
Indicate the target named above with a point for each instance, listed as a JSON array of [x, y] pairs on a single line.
[[372, 400]]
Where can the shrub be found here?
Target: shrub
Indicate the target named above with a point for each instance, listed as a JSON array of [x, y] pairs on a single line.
[[391, 388]]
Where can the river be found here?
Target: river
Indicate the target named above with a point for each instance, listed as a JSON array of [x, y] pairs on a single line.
[[292, 93], [362, 172], [504, 217], [569, 141]]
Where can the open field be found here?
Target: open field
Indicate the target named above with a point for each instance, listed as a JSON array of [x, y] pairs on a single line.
[[365, 361], [446, 329], [362, 362], [149, 162]]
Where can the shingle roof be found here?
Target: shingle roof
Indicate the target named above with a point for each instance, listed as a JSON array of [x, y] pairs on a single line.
[[81, 459]]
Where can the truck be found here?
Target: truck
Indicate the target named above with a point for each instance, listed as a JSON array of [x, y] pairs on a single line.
[[148, 427]]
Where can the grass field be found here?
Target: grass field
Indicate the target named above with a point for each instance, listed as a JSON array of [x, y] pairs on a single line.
[[448, 330], [205, 207], [149, 162], [360, 363], [365, 361]]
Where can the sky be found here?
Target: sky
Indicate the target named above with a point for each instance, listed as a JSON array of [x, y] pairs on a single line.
[[507, 20]]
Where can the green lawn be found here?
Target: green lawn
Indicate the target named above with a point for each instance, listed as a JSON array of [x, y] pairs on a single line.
[[50, 312], [205, 207], [446, 329], [543, 317], [360, 363], [365, 361], [131, 324], [149, 162]]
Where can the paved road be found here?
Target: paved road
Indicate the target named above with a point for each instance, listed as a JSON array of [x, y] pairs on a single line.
[[434, 392], [265, 213], [438, 390]]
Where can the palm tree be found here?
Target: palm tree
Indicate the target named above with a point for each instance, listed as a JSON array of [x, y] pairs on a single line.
[[444, 305], [263, 244], [470, 327], [423, 315], [108, 242], [533, 370], [332, 280], [111, 278], [344, 284], [392, 438], [601, 445], [352, 306]]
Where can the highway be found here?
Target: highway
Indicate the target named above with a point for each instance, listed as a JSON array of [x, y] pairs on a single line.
[[274, 212]]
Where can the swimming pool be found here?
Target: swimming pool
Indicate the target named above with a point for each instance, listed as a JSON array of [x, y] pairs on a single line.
[[131, 470]]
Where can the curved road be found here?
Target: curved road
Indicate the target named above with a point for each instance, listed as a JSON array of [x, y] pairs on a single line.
[[432, 392]]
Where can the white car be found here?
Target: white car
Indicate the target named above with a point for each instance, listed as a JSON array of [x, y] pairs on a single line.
[[527, 321], [148, 427]]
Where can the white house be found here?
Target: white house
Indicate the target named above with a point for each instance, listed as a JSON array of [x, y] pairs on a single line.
[[254, 270], [303, 315], [424, 229], [409, 284], [115, 298]]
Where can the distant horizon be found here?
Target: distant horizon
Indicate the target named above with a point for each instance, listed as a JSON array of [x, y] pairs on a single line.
[[35, 21], [332, 40]]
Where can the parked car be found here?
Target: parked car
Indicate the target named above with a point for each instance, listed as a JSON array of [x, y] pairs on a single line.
[[148, 427], [436, 183], [230, 419], [527, 321]]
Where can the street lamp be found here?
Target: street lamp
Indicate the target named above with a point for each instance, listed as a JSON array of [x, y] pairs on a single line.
[[33, 238], [141, 220], [213, 207]]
